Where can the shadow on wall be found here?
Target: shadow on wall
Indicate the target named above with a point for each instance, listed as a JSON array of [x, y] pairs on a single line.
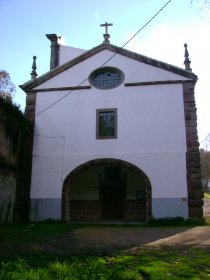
[[6, 210]]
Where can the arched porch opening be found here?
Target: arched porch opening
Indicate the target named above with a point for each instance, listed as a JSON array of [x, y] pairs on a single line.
[[107, 190]]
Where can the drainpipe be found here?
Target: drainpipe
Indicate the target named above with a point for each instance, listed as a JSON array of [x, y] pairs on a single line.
[[54, 57]]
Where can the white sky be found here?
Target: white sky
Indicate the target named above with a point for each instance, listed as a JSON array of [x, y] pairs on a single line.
[[25, 22]]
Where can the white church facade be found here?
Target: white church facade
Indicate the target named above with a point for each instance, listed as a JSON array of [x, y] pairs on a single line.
[[115, 137]]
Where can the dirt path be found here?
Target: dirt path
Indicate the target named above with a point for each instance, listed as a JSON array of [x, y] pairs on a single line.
[[195, 237], [108, 240], [111, 237]]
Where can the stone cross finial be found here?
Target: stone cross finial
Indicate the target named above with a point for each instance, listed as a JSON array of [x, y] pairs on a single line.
[[34, 73], [106, 34], [187, 60]]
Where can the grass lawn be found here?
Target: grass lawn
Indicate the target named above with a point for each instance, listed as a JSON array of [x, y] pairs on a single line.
[[21, 258]]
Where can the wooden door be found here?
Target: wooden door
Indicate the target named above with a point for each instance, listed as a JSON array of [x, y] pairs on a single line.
[[112, 201]]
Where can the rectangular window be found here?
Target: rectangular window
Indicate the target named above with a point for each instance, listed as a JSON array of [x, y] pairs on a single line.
[[106, 123]]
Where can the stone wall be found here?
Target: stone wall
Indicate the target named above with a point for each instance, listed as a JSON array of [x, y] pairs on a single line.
[[8, 183], [30, 106], [195, 193], [15, 163]]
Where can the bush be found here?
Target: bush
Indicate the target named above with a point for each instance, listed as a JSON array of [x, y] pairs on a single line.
[[176, 221]]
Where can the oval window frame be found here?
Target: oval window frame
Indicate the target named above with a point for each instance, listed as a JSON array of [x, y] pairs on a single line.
[[104, 70]]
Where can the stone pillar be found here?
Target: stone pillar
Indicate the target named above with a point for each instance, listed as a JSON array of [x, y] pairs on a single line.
[[30, 105], [195, 193], [54, 58]]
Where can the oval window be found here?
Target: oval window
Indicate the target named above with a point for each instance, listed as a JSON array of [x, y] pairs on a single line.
[[106, 78]]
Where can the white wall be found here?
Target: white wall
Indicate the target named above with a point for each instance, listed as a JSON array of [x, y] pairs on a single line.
[[151, 131], [134, 70], [68, 53]]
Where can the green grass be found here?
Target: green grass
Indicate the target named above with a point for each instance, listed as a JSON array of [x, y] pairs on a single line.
[[147, 264], [22, 259]]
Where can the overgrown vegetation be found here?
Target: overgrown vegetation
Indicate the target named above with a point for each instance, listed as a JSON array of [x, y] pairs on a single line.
[[21, 257]]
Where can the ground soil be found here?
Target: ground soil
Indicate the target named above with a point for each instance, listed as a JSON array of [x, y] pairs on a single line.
[[106, 240], [109, 239]]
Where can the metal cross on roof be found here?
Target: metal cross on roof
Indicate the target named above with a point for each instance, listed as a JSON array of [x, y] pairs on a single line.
[[106, 24], [106, 35]]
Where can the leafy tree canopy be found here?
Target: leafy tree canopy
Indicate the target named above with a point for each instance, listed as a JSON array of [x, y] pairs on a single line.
[[7, 88], [205, 165]]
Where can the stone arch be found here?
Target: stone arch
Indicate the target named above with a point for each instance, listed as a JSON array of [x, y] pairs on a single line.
[[127, 204]]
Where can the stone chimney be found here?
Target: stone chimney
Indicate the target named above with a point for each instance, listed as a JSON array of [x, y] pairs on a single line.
[[54, 57]]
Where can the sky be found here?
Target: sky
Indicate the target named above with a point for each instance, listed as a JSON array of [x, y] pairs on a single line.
[[24, 24]]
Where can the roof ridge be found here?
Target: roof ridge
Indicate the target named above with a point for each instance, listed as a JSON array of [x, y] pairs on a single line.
[[159, 63], [119, 50]]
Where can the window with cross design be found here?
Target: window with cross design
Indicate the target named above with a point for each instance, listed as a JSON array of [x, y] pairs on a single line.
[[106, 78], [106, 123]]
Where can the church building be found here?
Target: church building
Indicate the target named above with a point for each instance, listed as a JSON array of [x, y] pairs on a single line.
[[115, 137]]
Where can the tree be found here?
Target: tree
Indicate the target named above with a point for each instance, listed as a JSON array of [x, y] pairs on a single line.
[[205, 161], [7, 88], [203, 5]]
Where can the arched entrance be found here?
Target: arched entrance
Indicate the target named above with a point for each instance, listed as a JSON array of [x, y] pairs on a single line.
[[106, 190]]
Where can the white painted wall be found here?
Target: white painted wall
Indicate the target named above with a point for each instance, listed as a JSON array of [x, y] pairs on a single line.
[[151, 131], [68, 53], [134, 70]]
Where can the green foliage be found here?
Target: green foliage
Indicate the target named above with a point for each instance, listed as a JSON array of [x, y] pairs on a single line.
[[15, 116], [175, 264], [76, 269], [205, 164], [154, 264], [207, 195], [177, 221], [19, 270], [207, 219], [7, 88], [144, 263], [52, 221]]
